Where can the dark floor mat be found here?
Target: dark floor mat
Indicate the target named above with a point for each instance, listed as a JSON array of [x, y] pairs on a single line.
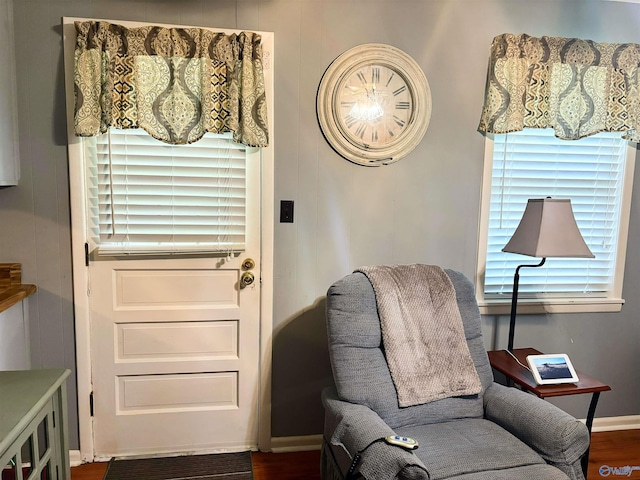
[[221, 466]]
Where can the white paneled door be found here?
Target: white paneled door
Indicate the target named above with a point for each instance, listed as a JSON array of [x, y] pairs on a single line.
[[175, 342], [175, 338]]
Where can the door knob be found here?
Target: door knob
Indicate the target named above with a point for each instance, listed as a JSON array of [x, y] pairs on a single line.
[[248, 264], [246, 279]]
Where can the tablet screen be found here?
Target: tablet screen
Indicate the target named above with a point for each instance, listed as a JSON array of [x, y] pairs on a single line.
[[552, 369]]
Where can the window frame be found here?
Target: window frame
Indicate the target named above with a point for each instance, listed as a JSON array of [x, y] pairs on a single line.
[[613, 300]]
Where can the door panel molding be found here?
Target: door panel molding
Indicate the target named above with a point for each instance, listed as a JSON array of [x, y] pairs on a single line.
[[177, 393], [139, 342], [140, 288]]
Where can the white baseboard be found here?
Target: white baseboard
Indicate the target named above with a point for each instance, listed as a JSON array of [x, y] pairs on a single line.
[[296, 444], [75, 458], [610, 424]]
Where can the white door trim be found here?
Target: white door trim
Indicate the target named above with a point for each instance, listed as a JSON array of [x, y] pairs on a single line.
[[80, 272]]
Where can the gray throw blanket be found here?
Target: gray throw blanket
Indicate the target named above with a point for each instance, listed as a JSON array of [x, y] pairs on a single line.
[[422, 333]]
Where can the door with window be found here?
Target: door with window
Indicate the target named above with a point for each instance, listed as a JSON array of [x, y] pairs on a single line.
[[174, 310], [173, 262]]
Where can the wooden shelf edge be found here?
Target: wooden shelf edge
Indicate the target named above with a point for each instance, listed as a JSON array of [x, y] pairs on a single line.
[[12, 295], [12, 290]]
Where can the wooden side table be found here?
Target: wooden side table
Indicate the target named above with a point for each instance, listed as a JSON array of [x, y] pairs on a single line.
[[504, 363]]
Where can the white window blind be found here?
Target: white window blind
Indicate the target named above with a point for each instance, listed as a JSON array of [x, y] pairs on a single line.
[[534, 164], [149, 197]]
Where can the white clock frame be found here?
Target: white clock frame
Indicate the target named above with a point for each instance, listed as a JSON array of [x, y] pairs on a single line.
[[329, 113]]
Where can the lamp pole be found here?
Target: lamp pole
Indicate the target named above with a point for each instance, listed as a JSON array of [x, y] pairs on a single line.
[[514, 302]]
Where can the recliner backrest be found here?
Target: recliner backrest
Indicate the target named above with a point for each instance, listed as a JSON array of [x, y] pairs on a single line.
[[357, 356]]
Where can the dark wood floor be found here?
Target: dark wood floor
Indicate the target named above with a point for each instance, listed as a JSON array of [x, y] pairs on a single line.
[[615, 449], [608, 449]]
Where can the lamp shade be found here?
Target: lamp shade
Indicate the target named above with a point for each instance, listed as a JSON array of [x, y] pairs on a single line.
[[548, 229]]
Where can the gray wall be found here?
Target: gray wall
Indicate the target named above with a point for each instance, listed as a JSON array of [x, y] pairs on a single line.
[[421, 209]]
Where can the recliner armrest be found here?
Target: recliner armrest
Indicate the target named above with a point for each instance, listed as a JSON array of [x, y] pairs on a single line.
[[354, 428], [558, 437]]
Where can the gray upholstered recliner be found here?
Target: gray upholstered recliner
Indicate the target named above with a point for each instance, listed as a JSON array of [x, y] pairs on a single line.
[[500, 434]]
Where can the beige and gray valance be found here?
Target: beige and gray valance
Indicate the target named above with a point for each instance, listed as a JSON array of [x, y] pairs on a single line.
[[175, 83], [577, 87]]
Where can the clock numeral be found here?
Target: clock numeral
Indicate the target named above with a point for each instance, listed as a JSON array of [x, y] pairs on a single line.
[[399, 121], [360, 130], [347, 104], [389, 80], [374, 135], [403, 105], [399, 90], [350, 121], [361, 77], [390, 132], [375, 74]]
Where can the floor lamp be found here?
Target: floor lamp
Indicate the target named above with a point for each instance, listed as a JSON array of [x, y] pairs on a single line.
[[547, 229]]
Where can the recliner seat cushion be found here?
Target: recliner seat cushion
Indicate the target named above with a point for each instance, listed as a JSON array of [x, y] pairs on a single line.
[[530, 472], [460, 448]]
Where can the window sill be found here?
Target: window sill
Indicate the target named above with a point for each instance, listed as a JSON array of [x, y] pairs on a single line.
[[556, 305]]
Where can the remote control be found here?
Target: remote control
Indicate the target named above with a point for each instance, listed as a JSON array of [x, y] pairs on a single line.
[[403, 442]]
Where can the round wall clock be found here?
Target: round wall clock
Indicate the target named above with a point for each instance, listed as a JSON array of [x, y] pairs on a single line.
[[374, 104]]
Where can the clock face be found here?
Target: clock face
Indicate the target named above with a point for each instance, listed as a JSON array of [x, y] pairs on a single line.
[[374, 104]]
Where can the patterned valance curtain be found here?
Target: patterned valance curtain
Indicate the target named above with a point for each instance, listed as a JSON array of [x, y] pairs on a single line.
[[175, 83], [577, 87]]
